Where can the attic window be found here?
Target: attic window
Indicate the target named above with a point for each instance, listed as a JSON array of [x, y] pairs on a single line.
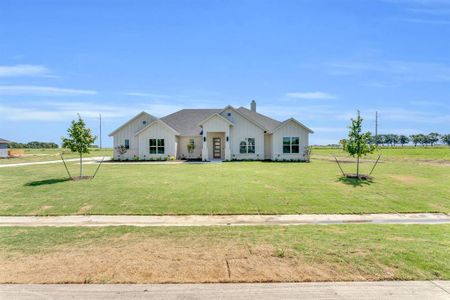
[[144, 122], [229, 114]]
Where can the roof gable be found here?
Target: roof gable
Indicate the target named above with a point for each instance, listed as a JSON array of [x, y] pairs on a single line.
[[158, 121], [143, 113], [216, 115], [251, 120], [186, 121], [295, 122]]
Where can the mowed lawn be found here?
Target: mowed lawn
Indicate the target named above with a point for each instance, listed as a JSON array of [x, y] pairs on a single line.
[[224, 254], [225, 188], [407, 153]]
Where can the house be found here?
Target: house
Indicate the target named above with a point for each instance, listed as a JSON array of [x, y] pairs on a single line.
[[211, 134], [3, 148]]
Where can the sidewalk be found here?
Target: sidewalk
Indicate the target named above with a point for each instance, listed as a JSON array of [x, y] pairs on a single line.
[[87, 159], [224, 220], [435, 290]]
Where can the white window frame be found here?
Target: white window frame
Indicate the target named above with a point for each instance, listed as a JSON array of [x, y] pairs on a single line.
[[291, 144], [159, 144], [247, 146]]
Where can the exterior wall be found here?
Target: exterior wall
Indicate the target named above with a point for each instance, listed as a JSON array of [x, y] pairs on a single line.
[[183, 152], [157, 131], [210, 128], [290, 129], [244, 129], [268, 146], [3, 150], [128, 132]]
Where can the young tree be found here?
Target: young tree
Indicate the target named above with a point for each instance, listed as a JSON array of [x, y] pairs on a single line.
[[403, 139], [358, 143], [433, 138], [79, 140], [415, 139], [446, 139]]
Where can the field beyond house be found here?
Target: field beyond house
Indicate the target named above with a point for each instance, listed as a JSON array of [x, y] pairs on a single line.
[[404, 184]]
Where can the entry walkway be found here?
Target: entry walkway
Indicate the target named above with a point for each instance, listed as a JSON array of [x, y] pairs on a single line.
[[263, 291], [224, 220]]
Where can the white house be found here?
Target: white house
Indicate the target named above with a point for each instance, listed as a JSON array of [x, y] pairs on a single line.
[[4, 148], [211, 134]]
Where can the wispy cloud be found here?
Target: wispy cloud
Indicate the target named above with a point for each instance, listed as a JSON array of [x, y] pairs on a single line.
[[310, 95], [397, 70], [42, 91], [23, 70], [142, 94], [426, 21], [63, 111]]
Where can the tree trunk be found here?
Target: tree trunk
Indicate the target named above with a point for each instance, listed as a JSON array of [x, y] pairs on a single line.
[[357, 167], [81, 164]]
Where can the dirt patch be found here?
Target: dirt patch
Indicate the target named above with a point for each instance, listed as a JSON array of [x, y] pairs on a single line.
[[129, 260], [409, 180], [84, 209]]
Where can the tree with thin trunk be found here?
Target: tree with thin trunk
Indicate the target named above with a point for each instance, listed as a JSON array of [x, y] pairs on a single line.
[[358, 143], [79, 140], [446, 139], [403, 139], [433, 138]]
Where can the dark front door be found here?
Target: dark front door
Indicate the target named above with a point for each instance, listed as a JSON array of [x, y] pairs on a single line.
[[217, 148]]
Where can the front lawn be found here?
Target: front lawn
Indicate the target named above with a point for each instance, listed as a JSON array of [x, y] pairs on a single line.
[[226, 188], [224, 254]]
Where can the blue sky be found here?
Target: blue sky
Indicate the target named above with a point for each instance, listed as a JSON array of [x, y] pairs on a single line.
[[317, 61]]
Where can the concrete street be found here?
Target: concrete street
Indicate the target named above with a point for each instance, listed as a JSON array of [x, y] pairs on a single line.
[[435, 290]]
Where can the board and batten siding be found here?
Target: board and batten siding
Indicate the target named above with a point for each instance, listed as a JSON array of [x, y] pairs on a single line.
[[291, 129], [242, 129], [128, 133], [183, 152], [3, 150], [157, 131]]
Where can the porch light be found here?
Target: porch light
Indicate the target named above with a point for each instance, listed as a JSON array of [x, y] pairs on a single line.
[[227, 139], [204, 138]]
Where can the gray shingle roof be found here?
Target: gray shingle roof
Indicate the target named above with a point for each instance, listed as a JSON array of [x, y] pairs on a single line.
[[269, 123], [3, 141], [186, 121]]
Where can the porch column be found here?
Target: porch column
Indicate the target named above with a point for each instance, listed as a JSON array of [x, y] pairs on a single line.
[[205, 146], [227, 144]]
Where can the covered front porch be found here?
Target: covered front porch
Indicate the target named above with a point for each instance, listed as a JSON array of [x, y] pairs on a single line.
[[216, 138]]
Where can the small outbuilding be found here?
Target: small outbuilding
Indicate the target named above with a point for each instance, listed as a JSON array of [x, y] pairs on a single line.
[[3, 148]]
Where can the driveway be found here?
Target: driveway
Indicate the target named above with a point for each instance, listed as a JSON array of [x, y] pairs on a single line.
[[223, 220], [435, 290]]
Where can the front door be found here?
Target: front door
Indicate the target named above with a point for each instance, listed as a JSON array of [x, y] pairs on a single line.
[[217, 148]]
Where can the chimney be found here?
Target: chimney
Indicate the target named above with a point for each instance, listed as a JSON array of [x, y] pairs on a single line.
[[253, 106]]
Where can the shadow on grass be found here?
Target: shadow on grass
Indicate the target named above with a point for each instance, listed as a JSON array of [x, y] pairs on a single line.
[[354, 181], [46, 181]]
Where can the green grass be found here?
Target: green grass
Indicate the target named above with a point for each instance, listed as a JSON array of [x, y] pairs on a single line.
[[392, 153], [348, 252], [227, 188], [37, 155]]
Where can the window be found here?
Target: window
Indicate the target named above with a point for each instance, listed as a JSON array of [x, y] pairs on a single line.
[[291, 144], [248, 145], [156, 146], [127, 144]]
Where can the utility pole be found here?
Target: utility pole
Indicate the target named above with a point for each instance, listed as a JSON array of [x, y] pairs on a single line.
[[376, 128], [100, 131]]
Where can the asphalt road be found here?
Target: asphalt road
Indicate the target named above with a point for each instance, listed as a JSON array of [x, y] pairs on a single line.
[[435, 290]]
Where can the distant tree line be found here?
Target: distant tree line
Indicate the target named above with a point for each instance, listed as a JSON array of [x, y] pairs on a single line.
[[33, 145], [416, 139]]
